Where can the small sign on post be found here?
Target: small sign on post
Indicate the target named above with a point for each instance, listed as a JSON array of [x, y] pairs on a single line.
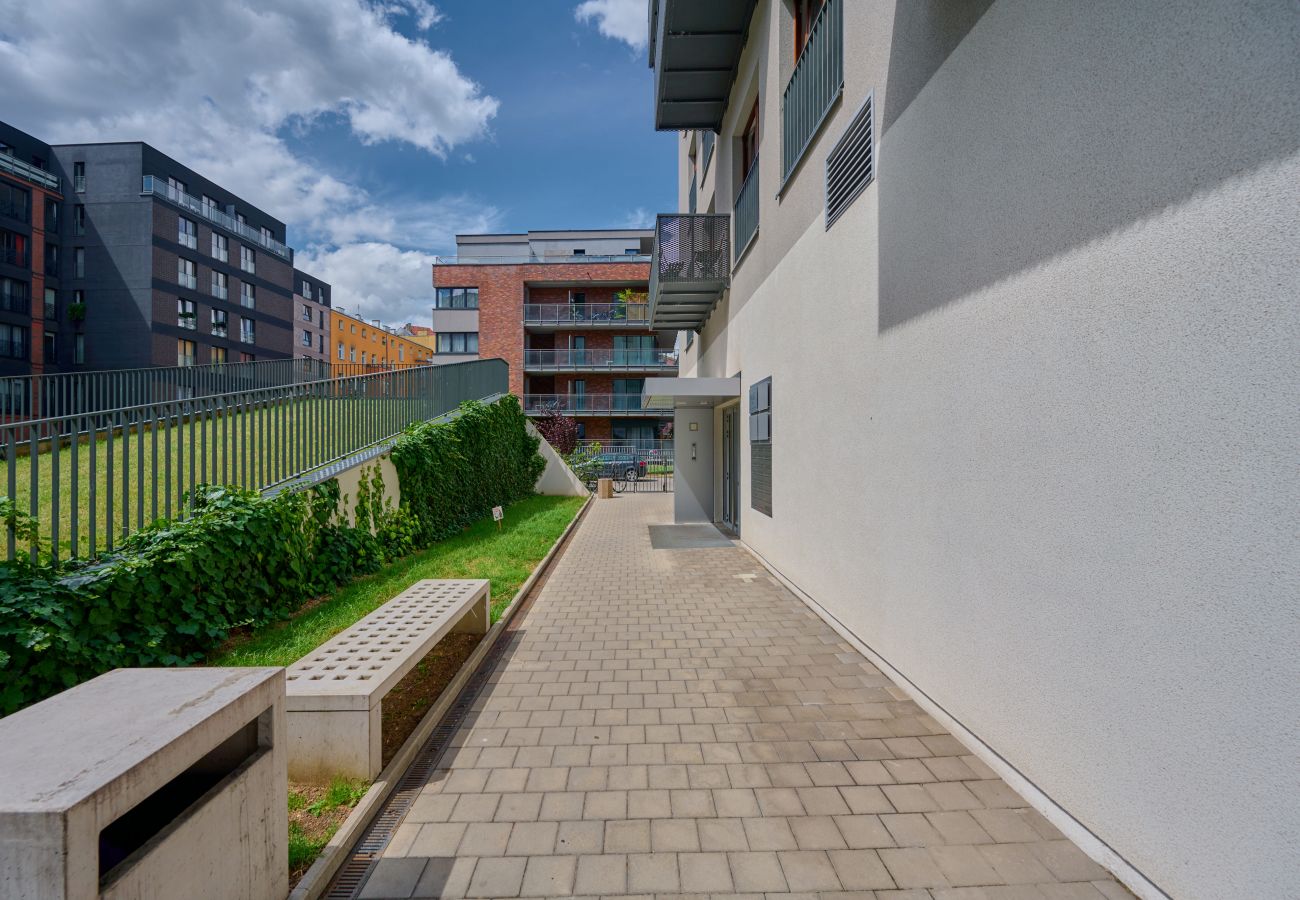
[[497, 515]]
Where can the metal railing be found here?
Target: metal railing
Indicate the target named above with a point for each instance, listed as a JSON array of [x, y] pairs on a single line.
[[642, 465], [596, 314], [585, 405], [568, 360], [525, 260], [707, 139], [690, 266], [92, 479], [815, 84], [159, 187], [746, 217], [71, 393], [15, 166]]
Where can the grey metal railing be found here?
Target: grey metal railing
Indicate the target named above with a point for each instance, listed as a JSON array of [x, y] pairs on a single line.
[[92, 479], [523, 260], [629, 359], [635, 315], [15, 166], [583, 404], [746, 217], [159, 187], [815, 84], [707, 140]]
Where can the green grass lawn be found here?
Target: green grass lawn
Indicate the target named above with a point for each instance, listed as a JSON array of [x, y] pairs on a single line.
[[506, 558], [251, 449]]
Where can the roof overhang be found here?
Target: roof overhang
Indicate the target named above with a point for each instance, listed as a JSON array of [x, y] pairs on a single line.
[[694, 50], [687, 393]]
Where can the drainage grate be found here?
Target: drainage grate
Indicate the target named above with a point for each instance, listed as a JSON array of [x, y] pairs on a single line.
[[352, 877]]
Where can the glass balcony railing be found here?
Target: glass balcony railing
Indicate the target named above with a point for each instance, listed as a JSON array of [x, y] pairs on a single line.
[[596, 359], [815, 85], [159, 187], [598, 315], [15, 166], [539, 260], [583, 404]]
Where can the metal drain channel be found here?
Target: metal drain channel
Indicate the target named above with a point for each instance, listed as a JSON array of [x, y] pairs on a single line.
[[354, 874]]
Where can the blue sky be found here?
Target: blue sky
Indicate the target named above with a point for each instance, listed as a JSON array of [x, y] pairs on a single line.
[[377, 129]]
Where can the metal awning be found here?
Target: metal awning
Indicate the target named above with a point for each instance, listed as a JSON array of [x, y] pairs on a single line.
[[694, 49], [678, 393]]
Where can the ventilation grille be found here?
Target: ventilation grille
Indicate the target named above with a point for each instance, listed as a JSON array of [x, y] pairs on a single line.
[[852, 162]]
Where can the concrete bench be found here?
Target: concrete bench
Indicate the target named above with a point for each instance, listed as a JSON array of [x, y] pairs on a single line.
[[335, 693]]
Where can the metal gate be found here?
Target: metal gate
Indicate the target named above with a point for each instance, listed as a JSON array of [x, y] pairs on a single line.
[[639, 467]]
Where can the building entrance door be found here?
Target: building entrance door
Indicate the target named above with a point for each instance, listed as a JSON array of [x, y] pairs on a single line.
[[731, 469]]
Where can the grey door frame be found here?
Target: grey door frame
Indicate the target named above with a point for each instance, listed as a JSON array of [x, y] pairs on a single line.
[[731, 467]]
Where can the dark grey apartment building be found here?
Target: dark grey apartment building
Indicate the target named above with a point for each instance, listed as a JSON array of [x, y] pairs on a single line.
[[151, 264]]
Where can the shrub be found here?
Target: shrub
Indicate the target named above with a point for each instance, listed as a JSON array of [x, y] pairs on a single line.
[[176, 589], [561, 432]]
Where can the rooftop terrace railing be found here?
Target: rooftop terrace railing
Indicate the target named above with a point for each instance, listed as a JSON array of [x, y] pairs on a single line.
[[15, 166], [636, 359], [159, 187], [635, 315], [539, 260], [91, 479], [584, 404]]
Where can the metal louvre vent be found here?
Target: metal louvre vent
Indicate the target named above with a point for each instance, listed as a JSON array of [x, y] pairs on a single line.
[[851, 164]]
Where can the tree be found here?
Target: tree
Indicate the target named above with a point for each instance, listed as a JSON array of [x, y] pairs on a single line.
[[561, 432]]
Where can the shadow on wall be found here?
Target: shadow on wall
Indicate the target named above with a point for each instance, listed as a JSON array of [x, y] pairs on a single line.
[[1015, 131]]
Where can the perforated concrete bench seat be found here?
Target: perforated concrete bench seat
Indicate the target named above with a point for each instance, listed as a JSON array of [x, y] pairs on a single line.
[[335, 693]]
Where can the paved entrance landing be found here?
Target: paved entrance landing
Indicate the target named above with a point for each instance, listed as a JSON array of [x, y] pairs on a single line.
[[674, 722]]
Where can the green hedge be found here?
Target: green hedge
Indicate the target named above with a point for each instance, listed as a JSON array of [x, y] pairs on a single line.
[[175, 590]]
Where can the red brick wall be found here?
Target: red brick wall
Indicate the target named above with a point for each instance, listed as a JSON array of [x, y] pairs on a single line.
[[502, 292]]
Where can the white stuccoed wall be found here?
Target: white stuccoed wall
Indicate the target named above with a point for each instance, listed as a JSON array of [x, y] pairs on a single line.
[[1063, 504]]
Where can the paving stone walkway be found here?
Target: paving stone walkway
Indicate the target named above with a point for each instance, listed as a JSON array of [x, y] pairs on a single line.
[[675, 722]]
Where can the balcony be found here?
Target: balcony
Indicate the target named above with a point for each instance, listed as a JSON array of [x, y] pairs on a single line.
[[539, 260], [587, 405], [587, 315], [816, 83], [15, 166], [616, 360], [159, 187], [694, 50], [747, 211], [689, 269]]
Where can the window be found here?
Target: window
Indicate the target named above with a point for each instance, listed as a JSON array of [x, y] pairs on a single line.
[[79, 350], [247, 295], [246, 357], [79, 262], [210, 203], [456, 298], [634, 349], [15, 202], [306, 289], [79, 219], [401, 354], [79, 177], [247, 330], [458, 342], [306, 313], [51, 348], [52, 216], [13, 248], [352, 354], [218, 355], [247, 259], [627, 393], [579, 252], [220, 285], [354, 328], [749, 142], [221, 247], [322, 318], [51, 259], [175, 186], [185, 314], [13, 295], [187, 273], [78, 298], [306, 339], [220, 318], [239, 217], [51, 304], [633, 251], [13, 341], [341, 356], [320, 346], [187, 233], [186, 351], [267, 236]]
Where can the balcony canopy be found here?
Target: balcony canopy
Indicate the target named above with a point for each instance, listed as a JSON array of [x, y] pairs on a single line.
[[683, 393], [694, 49]]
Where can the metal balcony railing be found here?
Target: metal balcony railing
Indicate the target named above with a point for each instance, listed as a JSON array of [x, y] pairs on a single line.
[[613, 315], [528, 260], [159, 187], [689, 268], [15, 166], [599, 359], [583, 404], [815, 85], [746, 219]]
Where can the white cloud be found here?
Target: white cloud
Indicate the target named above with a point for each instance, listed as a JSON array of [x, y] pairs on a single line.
[[638, 218], [622, 20], [375, 280], [218, 83]]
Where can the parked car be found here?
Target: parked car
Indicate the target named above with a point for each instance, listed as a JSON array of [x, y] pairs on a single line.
[[621, 465]]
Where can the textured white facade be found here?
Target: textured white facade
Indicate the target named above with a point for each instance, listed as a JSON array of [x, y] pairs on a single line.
[[1035, 401]]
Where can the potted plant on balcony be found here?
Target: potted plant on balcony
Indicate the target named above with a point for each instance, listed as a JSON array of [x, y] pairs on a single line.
[[77, 313]]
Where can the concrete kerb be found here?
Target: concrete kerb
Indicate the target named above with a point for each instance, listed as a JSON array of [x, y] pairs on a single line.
[[317, 878]]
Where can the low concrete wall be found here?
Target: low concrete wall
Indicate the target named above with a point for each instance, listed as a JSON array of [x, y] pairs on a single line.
[[557, 479]]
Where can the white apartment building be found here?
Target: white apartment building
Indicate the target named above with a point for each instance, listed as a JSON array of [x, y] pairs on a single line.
[[992, 312]]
